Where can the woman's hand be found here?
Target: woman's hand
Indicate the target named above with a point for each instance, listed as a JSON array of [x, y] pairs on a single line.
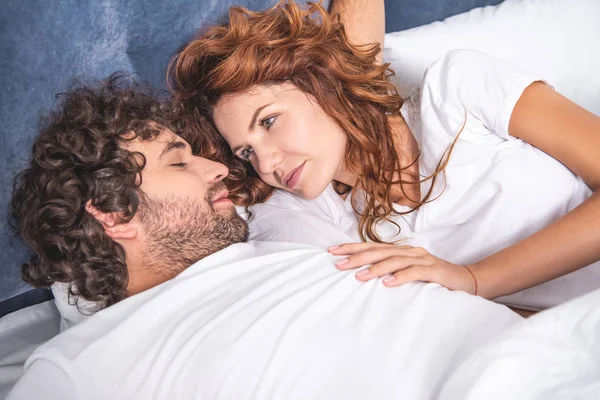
[[403, 264]]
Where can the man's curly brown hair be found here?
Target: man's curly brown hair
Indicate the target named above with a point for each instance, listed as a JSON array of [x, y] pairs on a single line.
[[78, 158]]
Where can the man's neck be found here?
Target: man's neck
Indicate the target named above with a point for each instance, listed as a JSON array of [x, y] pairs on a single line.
[[146, 274]]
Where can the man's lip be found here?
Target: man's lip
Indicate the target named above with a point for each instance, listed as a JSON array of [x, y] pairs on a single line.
[[222, 195], [290, 174]]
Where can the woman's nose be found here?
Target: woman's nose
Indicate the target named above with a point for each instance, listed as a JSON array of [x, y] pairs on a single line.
[[267, 160]]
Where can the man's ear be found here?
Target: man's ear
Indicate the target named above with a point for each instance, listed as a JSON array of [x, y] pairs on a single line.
[[110, 221]]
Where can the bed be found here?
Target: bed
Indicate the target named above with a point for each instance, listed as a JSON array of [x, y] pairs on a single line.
[[47, 46]]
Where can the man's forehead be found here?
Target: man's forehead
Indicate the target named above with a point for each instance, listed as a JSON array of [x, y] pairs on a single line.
[[156, 145]]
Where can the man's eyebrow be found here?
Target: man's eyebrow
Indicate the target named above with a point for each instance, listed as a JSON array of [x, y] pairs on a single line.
[[175, 144], [255, 115]]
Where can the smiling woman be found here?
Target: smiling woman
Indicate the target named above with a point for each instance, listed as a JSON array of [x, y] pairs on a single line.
[[322, 87], [287, 137], [487, 170]]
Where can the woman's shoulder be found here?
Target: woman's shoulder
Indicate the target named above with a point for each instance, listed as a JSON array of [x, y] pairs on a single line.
[[463, 63], [460, 72], [473, 83], [327, 205], [289, 218]]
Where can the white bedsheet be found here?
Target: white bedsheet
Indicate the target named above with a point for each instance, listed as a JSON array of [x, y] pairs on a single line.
[[271, 321], [20, 333], [554, 355]]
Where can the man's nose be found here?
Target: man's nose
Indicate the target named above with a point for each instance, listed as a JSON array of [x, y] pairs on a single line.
[[212, 171]]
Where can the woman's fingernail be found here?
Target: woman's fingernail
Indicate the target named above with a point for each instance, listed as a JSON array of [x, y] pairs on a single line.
[[362, 272], [389, 279], [341, 262], [332, 248]]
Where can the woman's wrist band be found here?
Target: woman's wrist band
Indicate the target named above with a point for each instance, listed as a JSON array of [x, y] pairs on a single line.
[[474, 279]]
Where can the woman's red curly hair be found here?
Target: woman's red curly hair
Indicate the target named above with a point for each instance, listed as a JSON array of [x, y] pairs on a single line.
[[308, 48]]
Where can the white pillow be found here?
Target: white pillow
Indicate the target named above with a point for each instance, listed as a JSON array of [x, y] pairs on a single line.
[[557, 39], [71, 312]]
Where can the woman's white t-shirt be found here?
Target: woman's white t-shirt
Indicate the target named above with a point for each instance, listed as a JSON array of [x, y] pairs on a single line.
[[496, 189]]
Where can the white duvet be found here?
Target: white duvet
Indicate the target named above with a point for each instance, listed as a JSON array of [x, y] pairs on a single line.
[[273, 320], [247, 324], [269, 321], [552, 355]]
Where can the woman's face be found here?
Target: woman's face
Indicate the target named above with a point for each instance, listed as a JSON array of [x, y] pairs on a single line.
[[290, 141]]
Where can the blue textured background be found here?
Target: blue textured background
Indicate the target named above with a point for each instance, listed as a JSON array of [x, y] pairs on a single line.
[[44, 44]]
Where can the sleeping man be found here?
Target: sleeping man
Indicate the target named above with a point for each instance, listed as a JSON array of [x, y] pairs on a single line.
[[115, 205]]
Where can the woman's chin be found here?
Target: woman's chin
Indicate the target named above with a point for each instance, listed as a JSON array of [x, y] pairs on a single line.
[[311, 192]]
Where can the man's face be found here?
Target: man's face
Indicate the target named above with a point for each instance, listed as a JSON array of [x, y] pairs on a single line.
[[184, 211]]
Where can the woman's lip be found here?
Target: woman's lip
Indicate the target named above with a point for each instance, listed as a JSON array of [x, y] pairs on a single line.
[[293, 179]]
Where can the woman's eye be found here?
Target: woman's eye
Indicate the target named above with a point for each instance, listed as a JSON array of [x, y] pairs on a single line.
[[179, 165], [268, 122], [245, 153]]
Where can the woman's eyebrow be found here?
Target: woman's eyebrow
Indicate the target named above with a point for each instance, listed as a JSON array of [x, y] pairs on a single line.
[[236, 149], [255, 115]]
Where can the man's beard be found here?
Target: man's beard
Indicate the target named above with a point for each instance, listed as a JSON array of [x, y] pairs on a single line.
[[181, 231]]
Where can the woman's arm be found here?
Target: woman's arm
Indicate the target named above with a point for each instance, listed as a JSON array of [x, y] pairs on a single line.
[[571, 134], [568, 133], [364, 20]]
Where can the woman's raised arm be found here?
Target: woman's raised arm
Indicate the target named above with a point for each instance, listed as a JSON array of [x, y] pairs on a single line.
[[364, 20]]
